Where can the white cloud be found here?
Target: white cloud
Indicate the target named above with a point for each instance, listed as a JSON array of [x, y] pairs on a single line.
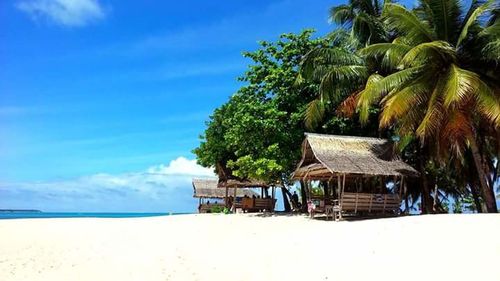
[[63, 12], [162, 188], [181, 166]]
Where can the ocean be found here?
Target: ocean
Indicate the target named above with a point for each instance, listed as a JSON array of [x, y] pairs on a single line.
[[40, 215]]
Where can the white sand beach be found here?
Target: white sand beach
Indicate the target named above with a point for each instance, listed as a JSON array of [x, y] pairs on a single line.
[[242, 247]]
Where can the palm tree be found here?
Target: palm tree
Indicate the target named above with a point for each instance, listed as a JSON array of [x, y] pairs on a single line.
[[444, 82], [339, 73], [362, 18]]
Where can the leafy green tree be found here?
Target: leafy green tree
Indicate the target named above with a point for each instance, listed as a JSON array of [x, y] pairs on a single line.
[[257, 134]]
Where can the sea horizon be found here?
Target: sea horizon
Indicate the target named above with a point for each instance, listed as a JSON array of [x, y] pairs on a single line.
[[46, 215]]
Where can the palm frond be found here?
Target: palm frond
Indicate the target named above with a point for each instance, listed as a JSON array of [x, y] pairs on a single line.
[[315, 112], [491, 31], [406, 23], [341, 14], [460, 85], [453, 135], [429, 51], [391, 53], [433, 114], [343, 39], [318, 61], [474, 15], [491, 51], [488, 103], [347, 107], [398, 103], [445, 18], [379, 86], [341, 80], [463, 85], [367, 96]]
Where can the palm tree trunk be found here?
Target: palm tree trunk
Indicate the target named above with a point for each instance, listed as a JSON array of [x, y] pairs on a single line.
[[424, 182], [486, 191], [472, 183]]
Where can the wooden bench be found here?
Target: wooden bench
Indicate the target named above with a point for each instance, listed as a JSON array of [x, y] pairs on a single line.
[[258, 204], [369, 203]]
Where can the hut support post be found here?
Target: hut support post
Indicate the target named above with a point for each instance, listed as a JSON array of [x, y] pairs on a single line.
[[225, 198], [343, 183], [234, 200], [325, 192], [338, 187], [330, 186], [401, 186]]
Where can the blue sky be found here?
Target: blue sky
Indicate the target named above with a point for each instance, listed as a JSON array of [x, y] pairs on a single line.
[[96, 94]]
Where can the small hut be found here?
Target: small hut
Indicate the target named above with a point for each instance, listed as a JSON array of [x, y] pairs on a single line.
[[206, 190], [359, 175], [262, 202]]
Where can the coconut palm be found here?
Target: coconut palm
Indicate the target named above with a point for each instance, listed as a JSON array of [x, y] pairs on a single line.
[[444, 81], [339, 73], [362, 18]]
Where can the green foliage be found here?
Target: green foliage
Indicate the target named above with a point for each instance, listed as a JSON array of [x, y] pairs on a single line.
[[258, 132], [216, 209], [434, 80], [429, 77], [435, 91], [464, 204]]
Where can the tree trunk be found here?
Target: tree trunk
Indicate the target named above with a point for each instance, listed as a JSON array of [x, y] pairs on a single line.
[[426, 201], [286, 203], [471, 176], [486, 191], [303, 196]]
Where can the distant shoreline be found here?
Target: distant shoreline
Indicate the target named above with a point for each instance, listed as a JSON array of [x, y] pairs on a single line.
[[19, 211]]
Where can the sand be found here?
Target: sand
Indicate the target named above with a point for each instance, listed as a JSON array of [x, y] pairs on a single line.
[[243, 247]]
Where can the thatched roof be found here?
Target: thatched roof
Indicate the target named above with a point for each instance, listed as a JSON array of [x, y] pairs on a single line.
[[241, 183], [327, 155], [207, 188]]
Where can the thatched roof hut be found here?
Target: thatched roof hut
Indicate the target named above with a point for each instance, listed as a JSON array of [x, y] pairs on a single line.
[[228, 181], [208, 188], [327, 155]]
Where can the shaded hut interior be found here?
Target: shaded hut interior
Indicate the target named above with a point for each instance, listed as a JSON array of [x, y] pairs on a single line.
[[266, 201]]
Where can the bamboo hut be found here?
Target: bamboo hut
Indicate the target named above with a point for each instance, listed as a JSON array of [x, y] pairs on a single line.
[[255, 203], [359, 175], [207, 189]]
